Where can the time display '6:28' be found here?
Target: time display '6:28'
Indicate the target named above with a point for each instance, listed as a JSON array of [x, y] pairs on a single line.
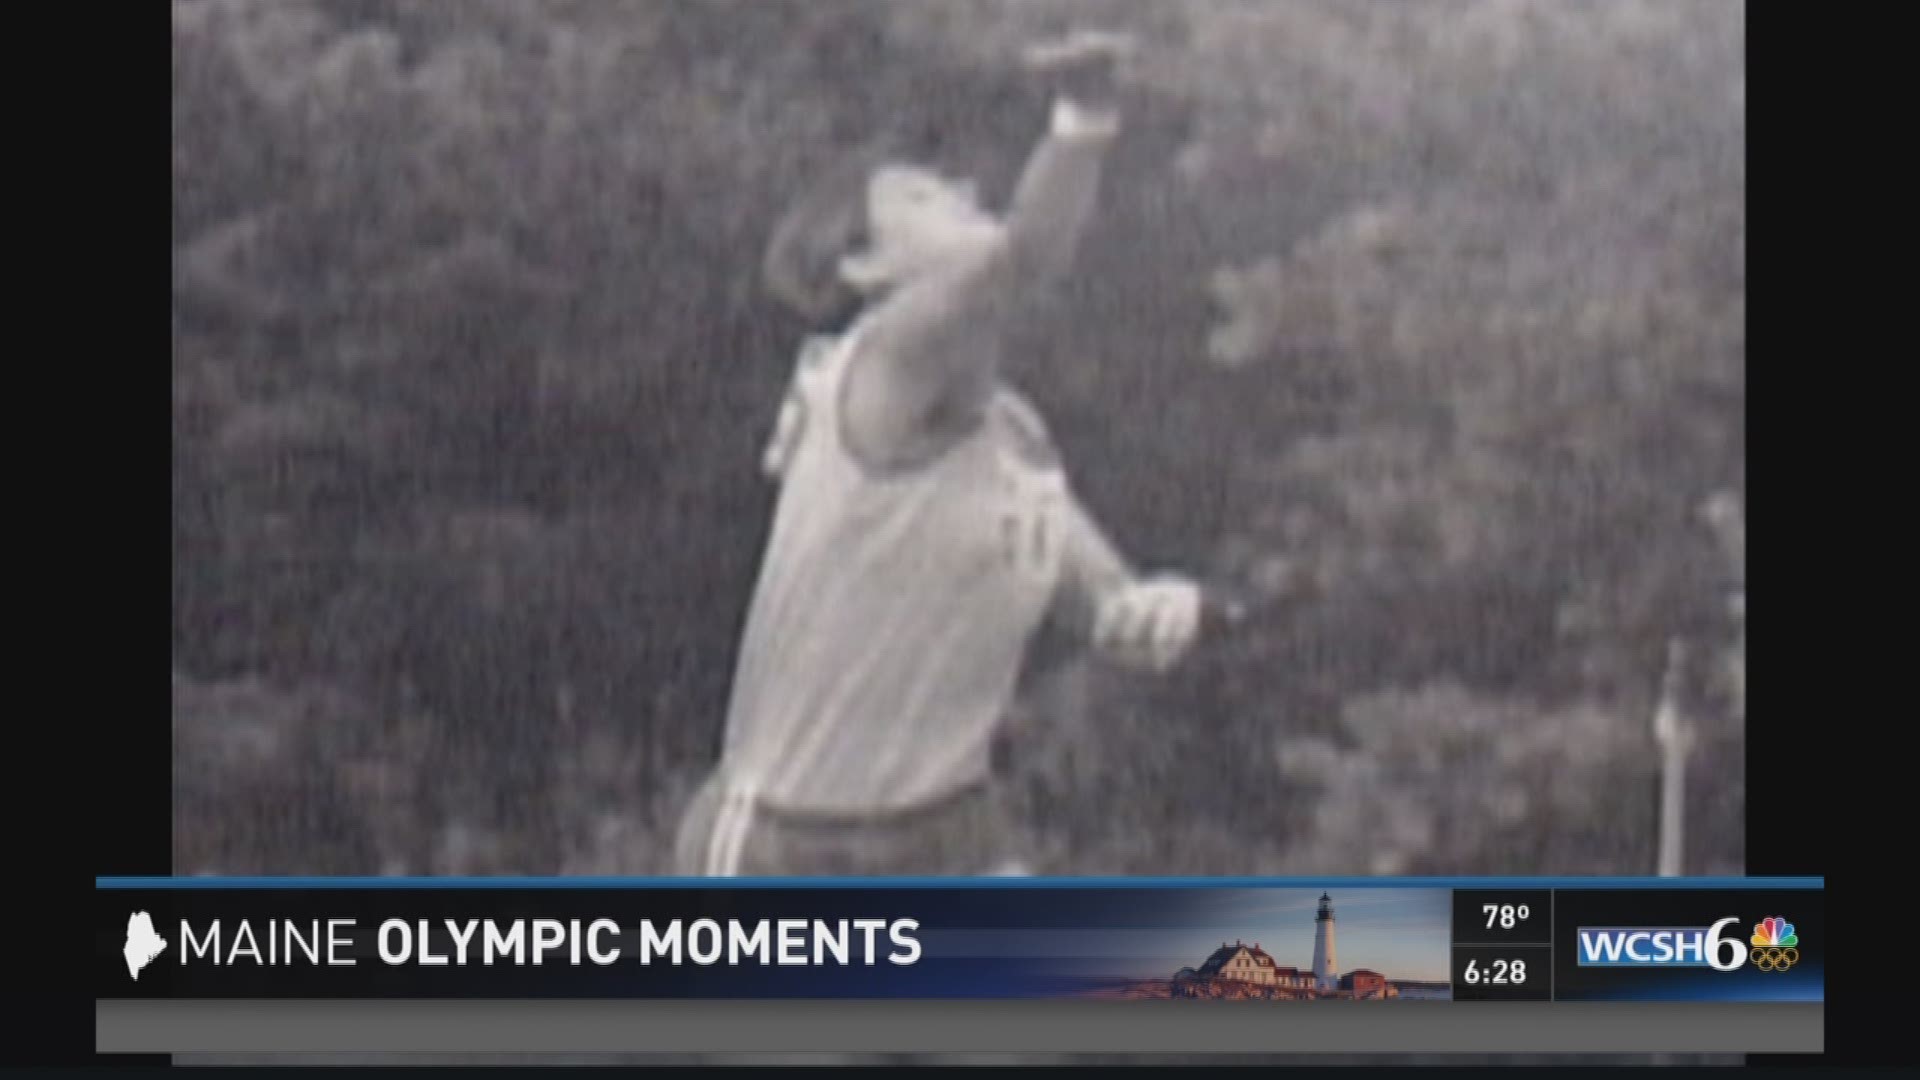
[[1496, 972], [1502, 973]]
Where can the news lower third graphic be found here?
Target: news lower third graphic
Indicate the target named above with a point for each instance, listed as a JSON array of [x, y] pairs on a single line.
[[1354, 940]]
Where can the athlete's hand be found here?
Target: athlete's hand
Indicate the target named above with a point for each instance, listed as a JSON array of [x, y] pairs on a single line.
[[1149, 624], [1084, 65]]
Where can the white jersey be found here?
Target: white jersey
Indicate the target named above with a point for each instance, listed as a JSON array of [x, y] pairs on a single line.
[[893, 609]]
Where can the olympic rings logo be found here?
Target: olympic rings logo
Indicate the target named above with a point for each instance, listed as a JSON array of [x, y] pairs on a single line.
[[1774, 959]]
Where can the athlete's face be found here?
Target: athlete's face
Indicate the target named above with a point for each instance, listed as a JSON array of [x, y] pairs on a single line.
[[921, 221]]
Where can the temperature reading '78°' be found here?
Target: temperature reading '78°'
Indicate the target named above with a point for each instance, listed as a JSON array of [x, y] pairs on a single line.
[[1506, 915]]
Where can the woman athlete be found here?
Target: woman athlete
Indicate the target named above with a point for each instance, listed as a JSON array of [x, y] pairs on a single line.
[[924, 529]]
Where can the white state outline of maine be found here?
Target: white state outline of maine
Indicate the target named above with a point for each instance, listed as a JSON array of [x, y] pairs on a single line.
[[143, 943]]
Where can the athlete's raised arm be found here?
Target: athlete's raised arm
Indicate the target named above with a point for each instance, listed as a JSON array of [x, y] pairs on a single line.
[[1060, 184], [944, 277]]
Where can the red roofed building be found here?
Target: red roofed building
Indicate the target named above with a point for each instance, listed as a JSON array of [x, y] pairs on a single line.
[[1362, 983]]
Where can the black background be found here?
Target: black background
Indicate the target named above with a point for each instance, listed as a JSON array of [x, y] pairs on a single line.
[[1830, 705], [1470, 921], [1474, 940], [1537, 984]]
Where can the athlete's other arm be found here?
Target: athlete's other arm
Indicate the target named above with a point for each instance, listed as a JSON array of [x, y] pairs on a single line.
[[1147, 622]]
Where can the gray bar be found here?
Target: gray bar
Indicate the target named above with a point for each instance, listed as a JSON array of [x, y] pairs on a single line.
[[1105, 1027]]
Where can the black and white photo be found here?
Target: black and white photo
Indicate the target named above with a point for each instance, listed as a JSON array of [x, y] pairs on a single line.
[[963, 437]]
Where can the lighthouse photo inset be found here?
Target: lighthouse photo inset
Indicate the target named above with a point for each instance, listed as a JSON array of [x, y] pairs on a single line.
[[1369, 945]]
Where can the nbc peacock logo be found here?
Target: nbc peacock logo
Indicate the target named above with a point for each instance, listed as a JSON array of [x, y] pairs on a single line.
[[1776, 947]]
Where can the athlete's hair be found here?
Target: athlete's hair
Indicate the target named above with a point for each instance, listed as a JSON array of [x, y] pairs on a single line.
[[827, 223]]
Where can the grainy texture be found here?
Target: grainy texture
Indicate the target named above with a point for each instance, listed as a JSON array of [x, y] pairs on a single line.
[[1427, 316]]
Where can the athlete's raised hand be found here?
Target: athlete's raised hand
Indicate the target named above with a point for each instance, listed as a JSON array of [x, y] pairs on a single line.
[[1084, 65], [1149, 624]]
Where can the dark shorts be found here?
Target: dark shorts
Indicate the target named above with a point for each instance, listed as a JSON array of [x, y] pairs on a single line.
[[967, 833]]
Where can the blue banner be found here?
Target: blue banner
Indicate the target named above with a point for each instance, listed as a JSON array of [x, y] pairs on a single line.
[[1281, 940]]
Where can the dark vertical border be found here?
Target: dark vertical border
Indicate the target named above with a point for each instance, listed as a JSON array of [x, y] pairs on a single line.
[[100, 88], [1824, 749], [1769, 330]]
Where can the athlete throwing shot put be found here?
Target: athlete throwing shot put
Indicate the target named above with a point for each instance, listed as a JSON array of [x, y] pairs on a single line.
[[924, 529]]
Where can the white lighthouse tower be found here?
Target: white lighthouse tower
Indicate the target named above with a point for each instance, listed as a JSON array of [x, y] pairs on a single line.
[[1323, 970]]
